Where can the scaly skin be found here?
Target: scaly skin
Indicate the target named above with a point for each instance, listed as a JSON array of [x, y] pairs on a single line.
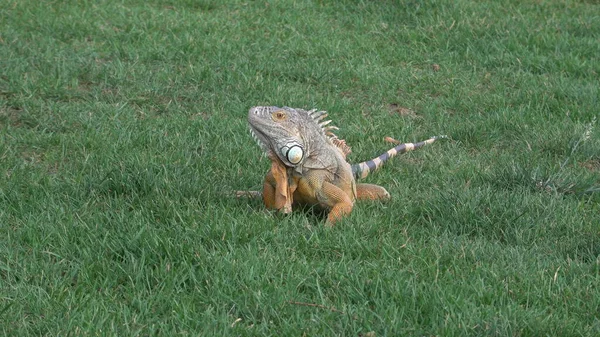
[[308, 162]]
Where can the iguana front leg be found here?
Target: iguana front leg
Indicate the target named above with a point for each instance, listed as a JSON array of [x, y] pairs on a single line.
[[313, 189], [338, 200]]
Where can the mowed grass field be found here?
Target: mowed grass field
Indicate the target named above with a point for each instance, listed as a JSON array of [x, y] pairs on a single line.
[[123, 136]]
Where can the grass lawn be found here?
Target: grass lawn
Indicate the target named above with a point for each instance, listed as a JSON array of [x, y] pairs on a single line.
[[123, 134]]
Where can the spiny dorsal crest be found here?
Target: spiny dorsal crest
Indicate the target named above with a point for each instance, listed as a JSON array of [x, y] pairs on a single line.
[[340, 144], [318, 117]]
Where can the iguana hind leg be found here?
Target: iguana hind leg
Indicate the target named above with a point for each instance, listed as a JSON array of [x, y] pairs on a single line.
[[371, 192]]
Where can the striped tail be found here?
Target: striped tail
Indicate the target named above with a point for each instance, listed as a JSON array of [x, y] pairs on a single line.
[[361, 170]]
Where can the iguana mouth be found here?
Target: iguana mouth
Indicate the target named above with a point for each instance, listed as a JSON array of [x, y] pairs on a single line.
[[291, 153]]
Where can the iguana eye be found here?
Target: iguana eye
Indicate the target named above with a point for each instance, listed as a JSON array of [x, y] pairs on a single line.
[[279, 115]]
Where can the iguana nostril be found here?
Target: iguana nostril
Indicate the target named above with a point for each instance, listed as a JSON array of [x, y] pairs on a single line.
[[256, 110]]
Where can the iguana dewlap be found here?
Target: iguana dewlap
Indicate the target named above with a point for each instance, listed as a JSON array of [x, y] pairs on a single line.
[[308, 162]]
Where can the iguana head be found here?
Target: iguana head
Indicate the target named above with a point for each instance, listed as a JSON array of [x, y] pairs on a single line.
[[281, 131]]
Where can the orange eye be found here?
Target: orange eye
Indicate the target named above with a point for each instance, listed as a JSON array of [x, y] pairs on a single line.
[[279, 115]]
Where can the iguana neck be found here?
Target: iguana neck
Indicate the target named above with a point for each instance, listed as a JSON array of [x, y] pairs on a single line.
[[321, 153]]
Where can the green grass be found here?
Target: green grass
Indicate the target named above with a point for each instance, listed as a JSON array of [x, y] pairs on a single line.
[[123, 133]]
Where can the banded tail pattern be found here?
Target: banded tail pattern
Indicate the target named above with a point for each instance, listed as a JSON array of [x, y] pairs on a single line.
[[362, 170]]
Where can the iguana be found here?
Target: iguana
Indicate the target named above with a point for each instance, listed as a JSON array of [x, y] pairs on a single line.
[[308, 162]]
